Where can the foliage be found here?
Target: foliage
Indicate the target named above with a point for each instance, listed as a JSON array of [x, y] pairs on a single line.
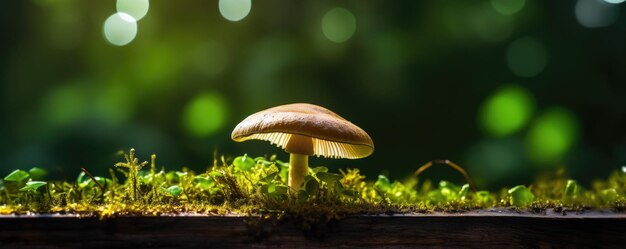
[[249, 186]]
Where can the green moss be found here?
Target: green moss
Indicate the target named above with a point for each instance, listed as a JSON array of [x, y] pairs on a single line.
[[258, 187]]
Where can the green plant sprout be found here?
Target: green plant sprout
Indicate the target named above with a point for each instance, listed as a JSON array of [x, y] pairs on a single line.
[[259, 186]]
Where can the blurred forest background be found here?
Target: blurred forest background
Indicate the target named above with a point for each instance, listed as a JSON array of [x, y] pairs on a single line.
[[506, 88]]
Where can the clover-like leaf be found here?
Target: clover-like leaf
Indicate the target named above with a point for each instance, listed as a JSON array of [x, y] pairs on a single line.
[[174, 190], [244, 162], [33, 186], [311, 186], [521, 196], [571, 192], [204, 182], [383, 183], [17, 176]]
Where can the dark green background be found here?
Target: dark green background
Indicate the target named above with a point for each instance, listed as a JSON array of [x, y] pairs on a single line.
[[414, 76]]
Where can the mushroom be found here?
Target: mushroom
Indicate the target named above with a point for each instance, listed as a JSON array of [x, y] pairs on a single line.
[[304, 130]]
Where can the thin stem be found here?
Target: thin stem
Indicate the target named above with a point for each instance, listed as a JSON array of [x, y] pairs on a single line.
[[94, 180], [298, 169], [452, 165]]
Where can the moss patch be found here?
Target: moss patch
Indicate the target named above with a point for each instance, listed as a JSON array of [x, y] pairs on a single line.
[[258, 187]]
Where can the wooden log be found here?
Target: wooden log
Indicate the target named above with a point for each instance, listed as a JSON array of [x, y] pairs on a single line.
[[473, 229]]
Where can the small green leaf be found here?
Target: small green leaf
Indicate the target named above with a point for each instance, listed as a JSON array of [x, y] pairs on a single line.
[[181, 174], [204, 182], [311, 186], [37, 173], [82, 180], [329, 178], [33, 186], [571, 192], [383, 183], [521, 196], [216, 174], [17, 176], [280, 189], [283, 170], [103, 181], [172, 176], [244, 162], [446, 184], [175, 190], [145, 176], [463, 192]]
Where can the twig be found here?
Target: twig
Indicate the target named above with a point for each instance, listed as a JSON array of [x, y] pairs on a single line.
[[94, 180], [451, 164]]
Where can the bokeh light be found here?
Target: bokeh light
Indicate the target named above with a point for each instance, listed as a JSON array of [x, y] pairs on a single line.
[[235, 10], [120, 29], [135, 8], [614, 1], [506, 111], [489, 25], [507, 7], [595, 13], [205, 114], [551, 136], [338, 25], [526, 57]]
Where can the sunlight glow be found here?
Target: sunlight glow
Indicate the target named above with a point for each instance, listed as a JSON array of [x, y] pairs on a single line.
[[235, 10], [551, 136], [135, 8], [120, 29], [205, 114], [596, 14], [506, 111], [338, 25]]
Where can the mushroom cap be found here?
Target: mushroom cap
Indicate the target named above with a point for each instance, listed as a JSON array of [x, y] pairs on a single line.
[[332, 135]]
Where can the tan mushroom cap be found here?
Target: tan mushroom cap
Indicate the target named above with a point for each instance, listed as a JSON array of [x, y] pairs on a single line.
[[332, 135]]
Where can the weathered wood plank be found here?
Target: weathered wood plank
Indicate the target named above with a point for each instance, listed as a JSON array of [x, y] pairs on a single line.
[[476, 229]]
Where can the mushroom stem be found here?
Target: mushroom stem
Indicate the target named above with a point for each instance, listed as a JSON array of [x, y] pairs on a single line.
[[298, 169]]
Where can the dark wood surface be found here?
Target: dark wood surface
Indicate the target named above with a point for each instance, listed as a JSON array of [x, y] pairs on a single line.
[[475, 229]]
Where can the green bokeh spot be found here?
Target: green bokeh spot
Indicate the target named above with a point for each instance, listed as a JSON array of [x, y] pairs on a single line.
[[507, 7], [551, 136], [205, 114], [135, 8], [506, 111], [338, 25], [526, 57]]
